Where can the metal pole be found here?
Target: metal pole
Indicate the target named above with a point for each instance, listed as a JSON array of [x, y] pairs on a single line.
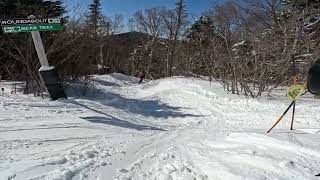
[[293, 112], [39, 46]]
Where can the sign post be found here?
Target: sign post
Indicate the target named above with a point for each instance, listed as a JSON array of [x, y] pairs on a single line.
[[48, 74], [294, 93], [39, 48]]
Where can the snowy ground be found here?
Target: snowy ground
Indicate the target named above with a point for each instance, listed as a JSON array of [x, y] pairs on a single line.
[[174, 128]]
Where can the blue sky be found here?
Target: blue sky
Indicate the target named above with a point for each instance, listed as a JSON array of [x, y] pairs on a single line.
[[128, 7]]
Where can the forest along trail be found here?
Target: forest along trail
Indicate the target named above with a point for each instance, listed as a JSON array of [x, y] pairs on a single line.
[[173, 128]]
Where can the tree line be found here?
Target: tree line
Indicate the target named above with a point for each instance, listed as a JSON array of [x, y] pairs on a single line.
[[250, 46]]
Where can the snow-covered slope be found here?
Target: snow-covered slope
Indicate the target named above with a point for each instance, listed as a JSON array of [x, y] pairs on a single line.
[[173, 128]]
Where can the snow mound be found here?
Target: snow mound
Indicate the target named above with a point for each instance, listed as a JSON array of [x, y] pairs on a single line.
[[115, 79]]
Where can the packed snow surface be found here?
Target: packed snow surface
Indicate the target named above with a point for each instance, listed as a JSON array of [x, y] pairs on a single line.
[[173, 128]]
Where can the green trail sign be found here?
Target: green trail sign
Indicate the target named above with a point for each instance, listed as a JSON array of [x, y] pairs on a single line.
[[30, 28], [31, 25]]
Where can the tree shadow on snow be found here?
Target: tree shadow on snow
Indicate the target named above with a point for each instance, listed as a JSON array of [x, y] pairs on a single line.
[[111, 120], [144, 107], [120, 123], [106, 83]]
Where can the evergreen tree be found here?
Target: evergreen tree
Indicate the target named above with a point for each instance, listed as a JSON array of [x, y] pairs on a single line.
[[199, 37], [22, 9], [94, 18], [181, 15], [201, 27], [11, 44], [180, 22]]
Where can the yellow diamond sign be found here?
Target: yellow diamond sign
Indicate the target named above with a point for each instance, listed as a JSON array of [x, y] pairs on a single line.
[[295, 91]]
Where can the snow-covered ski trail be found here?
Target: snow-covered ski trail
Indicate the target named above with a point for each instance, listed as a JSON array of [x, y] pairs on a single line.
[[173, 128]]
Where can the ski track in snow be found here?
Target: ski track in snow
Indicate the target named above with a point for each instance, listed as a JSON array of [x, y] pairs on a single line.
[[173, 128]]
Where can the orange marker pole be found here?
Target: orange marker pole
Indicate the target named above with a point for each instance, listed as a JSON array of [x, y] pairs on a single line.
[[281, 117]]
